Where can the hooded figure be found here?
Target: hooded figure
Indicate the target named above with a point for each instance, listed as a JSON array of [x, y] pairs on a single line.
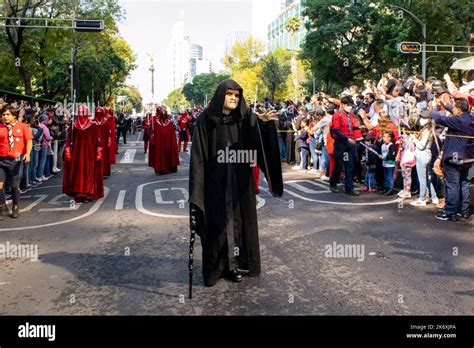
[[83, 175], [166, 157], [222, 192], [113, 134], [101, 120]]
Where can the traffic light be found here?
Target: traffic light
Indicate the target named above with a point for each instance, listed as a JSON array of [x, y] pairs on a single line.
[[85, 25], [409, 47]]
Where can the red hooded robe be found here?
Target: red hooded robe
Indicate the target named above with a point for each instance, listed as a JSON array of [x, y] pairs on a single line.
[[166, 157], [101, 120], [83, 176], [113, 136]]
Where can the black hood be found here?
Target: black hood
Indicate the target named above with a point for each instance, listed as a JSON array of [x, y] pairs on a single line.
[[214, 110]]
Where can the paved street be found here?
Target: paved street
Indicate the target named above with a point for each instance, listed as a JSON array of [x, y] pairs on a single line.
[[127, 254]]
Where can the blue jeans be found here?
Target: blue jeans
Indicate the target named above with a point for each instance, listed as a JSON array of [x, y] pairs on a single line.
[[34, 163], [314, 155], [282, 146], [370, 179], [43, 156], [457, 189], [325, 161], [388, 178], [304, 158], [422, 161]]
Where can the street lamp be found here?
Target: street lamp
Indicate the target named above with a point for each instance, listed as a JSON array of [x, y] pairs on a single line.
[[423, 35]]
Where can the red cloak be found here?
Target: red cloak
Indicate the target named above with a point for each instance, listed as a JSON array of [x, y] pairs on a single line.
[[101, 122], [83, 175], [113, 136], [166, 157], [151, 135]]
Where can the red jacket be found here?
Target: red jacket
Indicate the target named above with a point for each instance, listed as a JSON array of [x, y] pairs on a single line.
[[340, 128]]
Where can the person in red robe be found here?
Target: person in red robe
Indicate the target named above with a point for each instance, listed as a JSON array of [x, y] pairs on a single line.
[[256, 179], [166, 153], [101, 120], [83, 175], [146, 131], [183, 130], [151, 136], [113, 134]]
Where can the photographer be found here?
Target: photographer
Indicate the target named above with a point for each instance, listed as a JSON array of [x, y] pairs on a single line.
[[458, 153]]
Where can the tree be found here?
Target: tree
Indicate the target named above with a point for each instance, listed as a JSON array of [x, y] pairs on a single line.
[[293, 25], [350, 41], [203, 87], [177, 101], [244, 66], [275, 72], [134, 100]]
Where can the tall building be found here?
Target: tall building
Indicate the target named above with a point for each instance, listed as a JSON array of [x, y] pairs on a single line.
[[278, 36], [183, 56], [234, 37]]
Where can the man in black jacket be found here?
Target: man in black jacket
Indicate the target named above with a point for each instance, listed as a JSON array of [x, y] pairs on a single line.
[[458, 153]]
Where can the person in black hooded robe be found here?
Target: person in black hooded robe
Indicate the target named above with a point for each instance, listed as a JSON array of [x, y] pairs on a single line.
[[222, 195]]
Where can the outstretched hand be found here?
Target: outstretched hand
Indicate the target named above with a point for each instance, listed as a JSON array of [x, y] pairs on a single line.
[[268, 115]]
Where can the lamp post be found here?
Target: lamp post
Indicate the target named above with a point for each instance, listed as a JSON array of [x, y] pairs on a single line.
[[423, 35]]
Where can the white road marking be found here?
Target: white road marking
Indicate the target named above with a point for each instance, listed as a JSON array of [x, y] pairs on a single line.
[[340, 203], [56, 199], [139, 201], [40, 198], [128, 156], [91, 211], [260, 202], [159, 197], [120, 200], [183, 191], [304, 189]]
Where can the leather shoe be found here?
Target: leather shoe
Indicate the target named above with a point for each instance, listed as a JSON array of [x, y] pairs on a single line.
[[464, 215], [15, 212], [352, 193], [3, 212], [389, 193], [236, 276]]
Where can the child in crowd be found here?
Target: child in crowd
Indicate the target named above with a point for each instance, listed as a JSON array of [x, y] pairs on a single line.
[[371, 165], [389, 154], [303, 138]]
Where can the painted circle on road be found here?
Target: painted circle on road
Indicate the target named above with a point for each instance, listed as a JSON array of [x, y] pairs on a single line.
[[91, 211]]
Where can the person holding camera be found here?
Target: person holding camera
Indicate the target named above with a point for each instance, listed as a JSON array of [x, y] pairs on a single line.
[[457, 157]]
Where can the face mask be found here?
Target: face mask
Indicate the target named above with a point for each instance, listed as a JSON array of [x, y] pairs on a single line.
[[348, 108]]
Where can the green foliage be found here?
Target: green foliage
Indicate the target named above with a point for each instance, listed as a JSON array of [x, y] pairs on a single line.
[[134, 99], [364, 34], [177, 101], [203, 85], [102, 60], [275, 71], [293, 25]]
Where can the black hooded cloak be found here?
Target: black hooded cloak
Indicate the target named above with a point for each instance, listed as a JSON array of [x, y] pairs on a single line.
[[222, 195]]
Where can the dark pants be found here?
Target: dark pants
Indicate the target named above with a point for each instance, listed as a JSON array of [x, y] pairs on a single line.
[[304, 157], [457, 189], [123, 133], [344, 155]]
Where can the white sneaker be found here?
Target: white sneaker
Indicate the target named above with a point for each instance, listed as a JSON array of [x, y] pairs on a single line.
[[435, 201], [404, 194], [418, 203], [313, 171], [301, 170], [56, 170], [296, 167], [39, 180], [325, 178], [43, 178]]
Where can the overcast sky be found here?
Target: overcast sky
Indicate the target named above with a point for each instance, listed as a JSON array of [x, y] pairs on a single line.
[[148, 26]]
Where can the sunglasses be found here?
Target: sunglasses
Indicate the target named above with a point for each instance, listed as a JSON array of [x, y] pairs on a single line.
[[236, 94]]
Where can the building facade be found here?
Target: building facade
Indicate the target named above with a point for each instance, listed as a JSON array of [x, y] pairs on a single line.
[[278, 36]]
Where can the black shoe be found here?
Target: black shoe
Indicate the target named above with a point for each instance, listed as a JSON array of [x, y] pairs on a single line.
[[15, 212], [389, 193], [352, 193], [4, 212], [236, 276], [383, 192], [441, 211], [334, 189], [444, 217], [464, 215]]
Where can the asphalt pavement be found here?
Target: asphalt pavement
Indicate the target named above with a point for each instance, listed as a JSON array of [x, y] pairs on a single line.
[[322, 253]]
